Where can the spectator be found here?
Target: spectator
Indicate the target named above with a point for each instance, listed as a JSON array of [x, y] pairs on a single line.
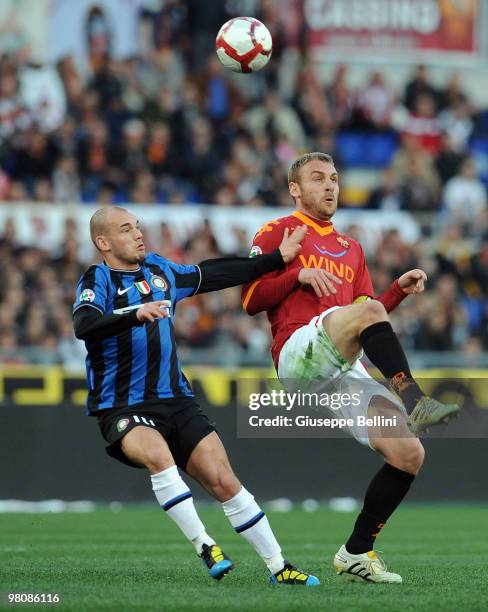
[[465, 196], [36, 156], [418, 86], [42, 191], [130, 158], [423, 125], [202, 164], [453, 94], [479, 267], [276, 119], [312, 103], [66, 182], [411, 158], [376, 103], [144, 189], [72, 84], [163, 69], [449, 159], [13, 115], [388, 195], [457, 122], [340, 98], [159, 149], [43, 95], [418, 191]]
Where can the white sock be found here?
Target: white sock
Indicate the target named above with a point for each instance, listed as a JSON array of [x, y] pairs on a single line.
[[176, 500], [249, 520]]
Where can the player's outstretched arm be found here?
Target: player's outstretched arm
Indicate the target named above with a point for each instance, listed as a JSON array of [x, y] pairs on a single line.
[[90, 324], [409, 283], [232, 271]]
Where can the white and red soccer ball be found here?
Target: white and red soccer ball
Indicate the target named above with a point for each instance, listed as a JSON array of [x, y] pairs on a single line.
[[244, 44]]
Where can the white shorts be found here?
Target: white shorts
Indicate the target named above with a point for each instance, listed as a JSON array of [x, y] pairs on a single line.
[[309, 355]]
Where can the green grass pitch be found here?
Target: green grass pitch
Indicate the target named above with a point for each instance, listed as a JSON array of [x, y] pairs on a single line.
[[137, 560]]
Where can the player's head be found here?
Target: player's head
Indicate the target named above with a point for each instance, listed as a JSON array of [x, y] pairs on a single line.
[[313, 183], [117, 236]]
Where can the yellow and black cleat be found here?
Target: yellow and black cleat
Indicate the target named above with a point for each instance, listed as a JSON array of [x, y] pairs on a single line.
[[217, 562], [294, 576]]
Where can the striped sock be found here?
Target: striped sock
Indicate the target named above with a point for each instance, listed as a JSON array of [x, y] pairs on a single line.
[[249, 520], [176, 500]]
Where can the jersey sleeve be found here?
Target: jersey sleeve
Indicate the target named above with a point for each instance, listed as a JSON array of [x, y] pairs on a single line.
[[187, 279], [392, 297], [266, 292], [267, 239], [92, 290], [363, 287]]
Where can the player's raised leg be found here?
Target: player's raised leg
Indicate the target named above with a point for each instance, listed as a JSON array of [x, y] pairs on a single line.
[[404, 455], [209, 465], [366, 326], [145, 446]]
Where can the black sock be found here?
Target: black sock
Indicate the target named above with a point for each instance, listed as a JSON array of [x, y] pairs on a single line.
[[381, 345], [384, 494]]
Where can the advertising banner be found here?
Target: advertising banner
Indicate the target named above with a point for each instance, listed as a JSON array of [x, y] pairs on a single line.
[[52, 450], [405, 30]]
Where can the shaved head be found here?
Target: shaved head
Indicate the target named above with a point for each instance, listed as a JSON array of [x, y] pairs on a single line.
[[101, 219], [117, 236]]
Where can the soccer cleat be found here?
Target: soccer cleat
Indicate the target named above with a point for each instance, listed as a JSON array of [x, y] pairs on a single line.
[[429, 411], [366, 566], [216, 560], [292, 575]]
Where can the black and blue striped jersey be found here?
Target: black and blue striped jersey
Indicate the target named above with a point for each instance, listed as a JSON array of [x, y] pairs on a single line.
[[139, 364], [130, 362]]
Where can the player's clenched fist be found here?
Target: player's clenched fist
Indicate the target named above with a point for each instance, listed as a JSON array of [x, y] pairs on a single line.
[[413, 281], [290, 245], [153, 310], [321, 281]]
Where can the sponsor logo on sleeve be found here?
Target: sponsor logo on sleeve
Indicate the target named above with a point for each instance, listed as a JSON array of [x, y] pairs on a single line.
[[87, 295], [255, 251], [122, 424]]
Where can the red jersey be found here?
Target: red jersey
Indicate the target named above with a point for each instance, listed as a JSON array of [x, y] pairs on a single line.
[[288, 303]]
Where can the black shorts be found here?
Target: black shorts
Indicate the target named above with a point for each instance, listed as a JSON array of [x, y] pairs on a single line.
[[180, 421]]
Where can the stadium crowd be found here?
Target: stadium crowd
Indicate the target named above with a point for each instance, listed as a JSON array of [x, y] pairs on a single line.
[[171, 126], [37, 291]]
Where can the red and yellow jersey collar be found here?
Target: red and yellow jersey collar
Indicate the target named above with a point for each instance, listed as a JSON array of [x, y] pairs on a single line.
[[324, 228]]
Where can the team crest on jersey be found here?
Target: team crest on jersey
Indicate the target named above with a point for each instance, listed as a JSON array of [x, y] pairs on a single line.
[[255, 251], [343, 242], [143, 287], [122, 424], [87, 295], [158, 282]]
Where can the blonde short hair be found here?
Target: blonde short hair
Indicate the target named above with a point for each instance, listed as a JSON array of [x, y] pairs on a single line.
[[294, 171]]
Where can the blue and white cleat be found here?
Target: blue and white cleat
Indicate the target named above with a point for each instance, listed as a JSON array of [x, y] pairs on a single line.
[[294, 576], [217, 562]]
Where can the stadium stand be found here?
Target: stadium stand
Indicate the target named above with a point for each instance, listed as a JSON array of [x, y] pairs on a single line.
[[170, 127]]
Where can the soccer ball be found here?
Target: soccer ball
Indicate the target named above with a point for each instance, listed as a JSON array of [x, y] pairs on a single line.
[[244, 44]]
